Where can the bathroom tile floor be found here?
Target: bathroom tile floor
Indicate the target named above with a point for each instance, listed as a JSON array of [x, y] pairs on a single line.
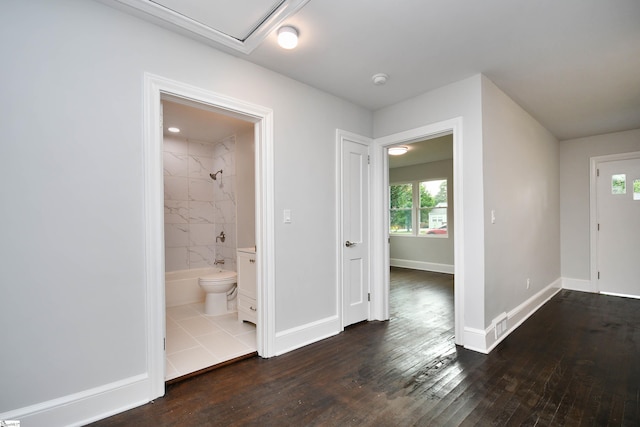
[[196, 341]]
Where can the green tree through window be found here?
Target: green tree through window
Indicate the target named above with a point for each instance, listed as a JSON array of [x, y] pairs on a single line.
[[401, 201], [418, 208]]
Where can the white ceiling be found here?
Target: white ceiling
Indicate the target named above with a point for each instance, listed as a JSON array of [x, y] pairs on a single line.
[[200, 124], [572, 64], [431, 150]]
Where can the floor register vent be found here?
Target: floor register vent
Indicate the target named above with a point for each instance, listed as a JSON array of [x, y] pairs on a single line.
[[500, 325]]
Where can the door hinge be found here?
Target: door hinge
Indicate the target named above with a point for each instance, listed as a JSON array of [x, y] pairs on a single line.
[[164, 344], [369, 296], [597, 172], [598, 275], [598, 227], [368, 159]]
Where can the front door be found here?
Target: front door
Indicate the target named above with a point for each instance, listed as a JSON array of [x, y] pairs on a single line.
[[618, 210], [354, 245]]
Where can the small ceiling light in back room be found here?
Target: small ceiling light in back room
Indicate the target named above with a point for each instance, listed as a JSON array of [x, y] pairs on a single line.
[[287, 37], [173, 129], [398, 150]]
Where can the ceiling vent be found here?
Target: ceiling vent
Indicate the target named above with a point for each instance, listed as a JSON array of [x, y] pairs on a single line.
[[241, 25]]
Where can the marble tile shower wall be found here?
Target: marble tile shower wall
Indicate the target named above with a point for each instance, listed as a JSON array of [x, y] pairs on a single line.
[[197, 208]]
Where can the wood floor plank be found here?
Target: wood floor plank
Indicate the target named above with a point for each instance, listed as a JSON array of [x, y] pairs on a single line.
[[574, 362]]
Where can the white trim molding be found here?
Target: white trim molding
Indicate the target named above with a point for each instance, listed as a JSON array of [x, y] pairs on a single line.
[[309, 333], [517, 316], [190, 26], [422, 265], [85, 407], [157, 88], [578, 285], [614, 294], [475, 339], [380, 217]]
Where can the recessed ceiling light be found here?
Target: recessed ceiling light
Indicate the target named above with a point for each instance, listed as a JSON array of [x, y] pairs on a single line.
[[173, 129], [398, 151], [287, 37]]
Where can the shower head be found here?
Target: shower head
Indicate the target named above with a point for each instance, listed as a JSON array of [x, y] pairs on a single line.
[[214, 176]]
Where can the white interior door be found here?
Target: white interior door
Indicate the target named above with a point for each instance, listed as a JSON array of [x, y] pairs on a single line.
[[355, 230], [618, 245]]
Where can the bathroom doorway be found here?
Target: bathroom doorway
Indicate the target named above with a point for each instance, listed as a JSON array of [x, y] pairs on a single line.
[[157, 90], [209, 214]]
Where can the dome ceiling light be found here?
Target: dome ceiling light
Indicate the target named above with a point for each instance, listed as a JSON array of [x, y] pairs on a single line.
[[398, 150], [287, 37]]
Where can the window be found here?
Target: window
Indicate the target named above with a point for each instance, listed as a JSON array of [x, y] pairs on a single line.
[[619, 184], [636, 189], [419, 208], [401, 200]]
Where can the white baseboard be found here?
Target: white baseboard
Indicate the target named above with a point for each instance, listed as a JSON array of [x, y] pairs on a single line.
[[614, 294], [300, 336], [522, 312], [483, 341], [421, 265], [475, 339], [85, 407], [578, 285]]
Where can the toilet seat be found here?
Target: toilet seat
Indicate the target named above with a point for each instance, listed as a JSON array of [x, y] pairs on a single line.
[[220, 277]]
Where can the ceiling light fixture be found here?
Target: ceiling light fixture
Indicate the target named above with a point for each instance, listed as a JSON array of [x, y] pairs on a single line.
[[287, 37], [398, 150], [173, 129], [379, 79]]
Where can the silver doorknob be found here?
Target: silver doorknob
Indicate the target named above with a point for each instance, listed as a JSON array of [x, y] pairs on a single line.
[[349, 244]]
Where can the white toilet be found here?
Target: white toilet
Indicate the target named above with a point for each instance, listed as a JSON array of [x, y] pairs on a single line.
[[220, 288]]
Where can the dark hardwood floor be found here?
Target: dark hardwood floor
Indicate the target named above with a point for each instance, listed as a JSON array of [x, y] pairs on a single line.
[[574, 362]]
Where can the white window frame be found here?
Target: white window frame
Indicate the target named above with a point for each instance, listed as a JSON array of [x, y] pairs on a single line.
[[415, 210]]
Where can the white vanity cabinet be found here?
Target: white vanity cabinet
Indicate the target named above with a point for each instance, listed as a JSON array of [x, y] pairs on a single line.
[[247, 306]]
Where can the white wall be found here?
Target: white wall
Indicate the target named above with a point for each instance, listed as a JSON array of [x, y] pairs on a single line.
[[71, 173], [521, 184], [510, 163], [575, 155], [246, 188], [426, 253], [460, 99]]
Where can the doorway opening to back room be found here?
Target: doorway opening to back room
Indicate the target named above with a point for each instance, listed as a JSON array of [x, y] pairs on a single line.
[[421, 237], [209, 231]]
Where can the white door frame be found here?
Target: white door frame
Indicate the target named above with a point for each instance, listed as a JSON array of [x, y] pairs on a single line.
[[380, 217], [341, 135], [593, 209], [155, 87]]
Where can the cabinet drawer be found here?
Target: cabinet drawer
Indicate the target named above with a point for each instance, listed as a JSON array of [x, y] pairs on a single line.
[[247, 309], [247, 293]]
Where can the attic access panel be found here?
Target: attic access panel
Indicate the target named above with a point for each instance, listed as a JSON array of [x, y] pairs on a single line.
[[238, 18], [239, 24]]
